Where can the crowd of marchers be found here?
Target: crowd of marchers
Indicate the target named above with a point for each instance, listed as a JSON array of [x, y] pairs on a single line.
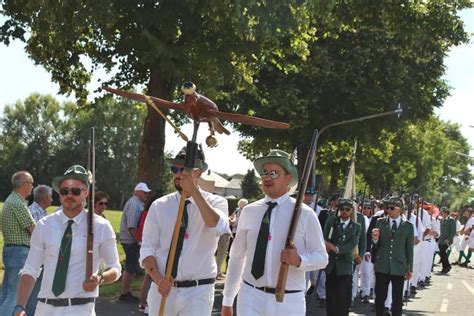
[[382, 250]]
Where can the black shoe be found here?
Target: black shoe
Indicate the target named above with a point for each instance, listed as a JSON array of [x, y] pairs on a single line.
[[128, 297], [365, 299], [421, 283], [455, 263], [464, 265], [386, 312], [448, 269], [322, 302], [413, 289], [310, 291]]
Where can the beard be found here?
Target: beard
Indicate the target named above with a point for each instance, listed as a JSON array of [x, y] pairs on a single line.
[[177, 186]]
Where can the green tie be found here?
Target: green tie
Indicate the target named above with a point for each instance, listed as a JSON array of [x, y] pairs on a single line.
[[179, 245], [258, 264], [59, 281], [394, 226]]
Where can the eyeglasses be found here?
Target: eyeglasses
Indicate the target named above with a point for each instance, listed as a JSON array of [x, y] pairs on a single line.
[[176, 169], [345, 209], [272, 173], [391, 208], [103, 203], [74, 191]]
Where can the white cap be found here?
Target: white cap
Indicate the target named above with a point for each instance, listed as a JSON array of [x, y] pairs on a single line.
[[142, 187]]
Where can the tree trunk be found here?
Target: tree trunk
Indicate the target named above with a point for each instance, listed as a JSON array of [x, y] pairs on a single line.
[[151, 151]]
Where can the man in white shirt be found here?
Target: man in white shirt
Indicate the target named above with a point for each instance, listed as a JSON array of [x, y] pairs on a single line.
[[190, 290], [59, 243], [259, 246]]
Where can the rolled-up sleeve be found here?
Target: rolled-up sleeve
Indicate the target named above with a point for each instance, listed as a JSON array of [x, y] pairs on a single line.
[[315, 257], [35, 258], [222, 207], [238, 256], [150, 242], [108, 251]]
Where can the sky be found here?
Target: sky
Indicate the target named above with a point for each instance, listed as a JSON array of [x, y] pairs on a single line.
[[19, 77]]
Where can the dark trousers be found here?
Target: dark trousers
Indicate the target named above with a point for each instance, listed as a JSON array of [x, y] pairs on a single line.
[[444, 256], [382, 280], [337, 293]]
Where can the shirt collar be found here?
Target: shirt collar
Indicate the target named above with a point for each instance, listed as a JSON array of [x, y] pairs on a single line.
[[346, 221], [282, 199], [18, 195], [397, 220], [77, 220]]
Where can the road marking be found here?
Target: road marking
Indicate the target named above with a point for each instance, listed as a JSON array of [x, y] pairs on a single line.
[[450, 286], [444, 305], [468, 287]]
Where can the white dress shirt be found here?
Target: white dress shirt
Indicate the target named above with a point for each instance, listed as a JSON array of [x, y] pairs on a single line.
[[200, 242], [309, 243], [44, 250]]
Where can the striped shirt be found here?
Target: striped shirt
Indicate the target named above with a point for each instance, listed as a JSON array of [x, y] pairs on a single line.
[[15, 219], [37, 211]]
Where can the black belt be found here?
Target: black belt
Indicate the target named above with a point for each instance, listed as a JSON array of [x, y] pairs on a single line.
[[57, 302], [13, 245], [271, 290], [194, 282]]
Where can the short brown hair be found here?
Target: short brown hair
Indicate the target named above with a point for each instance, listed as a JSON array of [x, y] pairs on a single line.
[[99, 195]]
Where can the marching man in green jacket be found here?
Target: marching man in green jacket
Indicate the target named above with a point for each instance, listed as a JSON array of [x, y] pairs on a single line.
[[448, 231], [393, 251], [341, 235]]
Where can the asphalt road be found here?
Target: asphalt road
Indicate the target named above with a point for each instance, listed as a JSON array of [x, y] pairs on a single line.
[[451, 294]]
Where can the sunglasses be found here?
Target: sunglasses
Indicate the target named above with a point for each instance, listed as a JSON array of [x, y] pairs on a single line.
[[103, 203], [74, 191], [273, 174], [391, 208], [345, 209], [176, 169]]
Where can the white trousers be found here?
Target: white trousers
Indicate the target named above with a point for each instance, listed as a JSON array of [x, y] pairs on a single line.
[[367, 279], [43, 309], [355, 281], [417, 263], [427, 250], [196, 300], [252, 301]]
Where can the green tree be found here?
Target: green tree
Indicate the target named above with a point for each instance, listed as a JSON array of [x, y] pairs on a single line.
[[250, 186], [46, 138], [372, 55], [31, 134], [220, 45]]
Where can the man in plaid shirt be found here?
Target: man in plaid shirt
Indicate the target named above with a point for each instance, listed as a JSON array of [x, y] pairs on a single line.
[[17, 226]]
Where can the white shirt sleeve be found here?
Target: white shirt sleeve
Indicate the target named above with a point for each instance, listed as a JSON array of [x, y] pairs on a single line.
[[315, 256], [235, 269], [108, 250], [35, 258], [150, 230]]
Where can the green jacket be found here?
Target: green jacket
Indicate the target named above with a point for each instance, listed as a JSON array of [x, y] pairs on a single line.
[[345, 240], [393, 254], [447, 230], [363, 237]]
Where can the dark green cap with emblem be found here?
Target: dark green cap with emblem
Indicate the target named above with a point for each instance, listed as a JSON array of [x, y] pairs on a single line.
[[345, 202], [76, 172], [395, 201]]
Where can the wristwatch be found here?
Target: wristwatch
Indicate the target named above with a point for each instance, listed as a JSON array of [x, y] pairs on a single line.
[[18, 309], [101, 278]]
